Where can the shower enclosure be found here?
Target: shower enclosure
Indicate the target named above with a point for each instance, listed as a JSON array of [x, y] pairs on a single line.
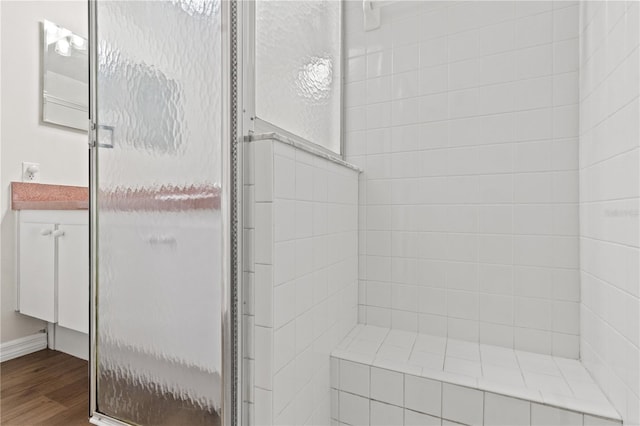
[[162, 151], [455, 243]]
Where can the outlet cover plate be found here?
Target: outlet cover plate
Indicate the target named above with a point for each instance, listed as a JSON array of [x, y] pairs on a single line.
[[30, 177]]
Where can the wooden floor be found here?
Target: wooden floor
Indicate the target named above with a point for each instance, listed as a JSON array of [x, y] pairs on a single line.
[[51, 388], [46, 387]]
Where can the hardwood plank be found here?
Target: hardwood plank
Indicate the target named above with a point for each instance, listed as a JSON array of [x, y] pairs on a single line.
[[36, 410], [75, 415], [46, 387], [71, 394]]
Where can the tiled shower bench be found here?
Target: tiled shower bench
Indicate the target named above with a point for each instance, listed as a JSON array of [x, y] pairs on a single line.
[[392, 378]]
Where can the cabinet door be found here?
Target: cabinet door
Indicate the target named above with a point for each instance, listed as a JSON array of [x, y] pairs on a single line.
[[73, 277], [37, 270]]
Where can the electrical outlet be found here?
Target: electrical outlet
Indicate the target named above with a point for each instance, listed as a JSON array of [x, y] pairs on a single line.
[[30, 172]]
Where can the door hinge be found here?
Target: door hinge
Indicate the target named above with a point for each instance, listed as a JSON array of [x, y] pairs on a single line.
[[93, 136]]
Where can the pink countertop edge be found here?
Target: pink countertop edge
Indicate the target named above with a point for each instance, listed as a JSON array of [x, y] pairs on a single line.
[[40, 196]]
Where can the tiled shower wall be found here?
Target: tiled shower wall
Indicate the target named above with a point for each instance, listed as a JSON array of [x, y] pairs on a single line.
[[301, 225], [610, 200], [464, 117]]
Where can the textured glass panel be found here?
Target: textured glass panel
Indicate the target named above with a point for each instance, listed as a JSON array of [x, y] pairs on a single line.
[[298, 72], [159, 223]]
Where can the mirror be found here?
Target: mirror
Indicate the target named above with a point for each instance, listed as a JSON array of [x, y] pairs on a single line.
[[65, 75]]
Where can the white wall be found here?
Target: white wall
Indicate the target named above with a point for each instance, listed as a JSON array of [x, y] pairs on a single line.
[[610, 200], [302, 267], [464, 116], [61, 152]]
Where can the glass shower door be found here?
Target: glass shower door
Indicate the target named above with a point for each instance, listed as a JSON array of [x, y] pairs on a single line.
[[158, 211]]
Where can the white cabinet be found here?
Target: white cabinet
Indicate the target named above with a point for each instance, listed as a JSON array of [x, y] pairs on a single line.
[[73, 277], [53, 267], [37, 270]]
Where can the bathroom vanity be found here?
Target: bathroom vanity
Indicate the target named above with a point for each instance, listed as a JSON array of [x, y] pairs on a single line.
[[52, 246]]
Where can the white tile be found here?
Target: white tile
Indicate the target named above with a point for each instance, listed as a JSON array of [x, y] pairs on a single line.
[[423, 395], [411, 418], [354, 378], [542, 415], [373, 333], [334, 371], [263, 157], [496, 334], [387, 386], [397, 366], [284, 388], [533, 30], [404, 297], [501, 410], [432, 301], [461, 349], [507, 376], [263, 357], [573, 370], [284, 345], [496, 69], [431, 344], [463, 329], [403, 339], [284, 177], [496, 308], [547, 384], [598, 421], [503, 357], [463, 46], [405, 58], [284, 266], [454, 397], [354, 410], [264, 294], [363, 346], [434, 52], [393, 353], [405, 84], [284, 304], [427, 360], [263, 407], [497, 38], [565, 56], [433, 80], [356, 68], [264, 220], [378, 90], [385, 414], [534, 62], [463, 366], [537, 363], [528, 339], [379, 63]]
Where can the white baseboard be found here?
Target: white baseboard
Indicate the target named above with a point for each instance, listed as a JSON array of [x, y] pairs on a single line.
[[22, 346]]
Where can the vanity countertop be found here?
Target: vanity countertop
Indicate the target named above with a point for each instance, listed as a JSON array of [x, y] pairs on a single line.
[[40, 196]]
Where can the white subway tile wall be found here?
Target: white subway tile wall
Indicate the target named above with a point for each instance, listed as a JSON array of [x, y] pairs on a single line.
[[610, 200], [464, 117], [301, 226]]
